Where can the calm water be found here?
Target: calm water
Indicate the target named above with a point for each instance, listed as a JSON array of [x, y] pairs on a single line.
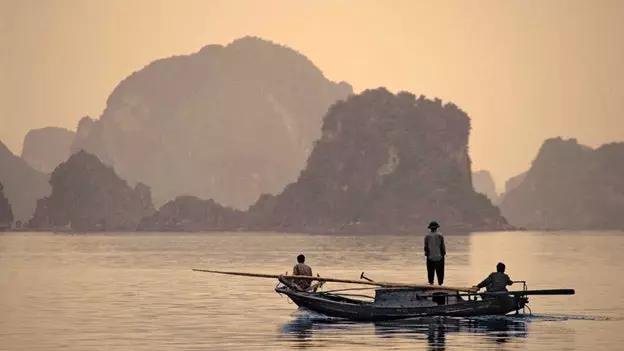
[[137, 292]]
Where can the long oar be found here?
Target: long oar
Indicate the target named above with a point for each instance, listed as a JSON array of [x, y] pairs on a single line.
[[522, 292], [337, 280], [544, 292]]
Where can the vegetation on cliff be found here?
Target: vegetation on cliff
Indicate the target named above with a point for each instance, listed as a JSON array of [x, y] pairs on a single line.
[[570, 186], [88, 196]]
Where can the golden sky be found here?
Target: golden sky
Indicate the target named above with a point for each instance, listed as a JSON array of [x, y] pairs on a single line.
[[523, 70]]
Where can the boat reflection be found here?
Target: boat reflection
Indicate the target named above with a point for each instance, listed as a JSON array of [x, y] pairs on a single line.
[[492, 329], [433, 330]]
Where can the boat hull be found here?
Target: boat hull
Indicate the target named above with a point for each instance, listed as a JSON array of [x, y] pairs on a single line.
[[366, 311]]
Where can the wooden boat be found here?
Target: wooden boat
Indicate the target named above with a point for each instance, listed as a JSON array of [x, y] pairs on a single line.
[[402, 303], [395, 301]]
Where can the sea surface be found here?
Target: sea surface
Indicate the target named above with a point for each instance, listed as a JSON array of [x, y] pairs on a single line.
[[128, 291]]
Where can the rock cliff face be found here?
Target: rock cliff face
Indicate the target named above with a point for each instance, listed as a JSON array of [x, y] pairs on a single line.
[[22, 184], [88, 196], [483, 183], [571, 187], [6, 213], [189, 213], [227, 123], [513, 182], [46, 148], [385, 163]]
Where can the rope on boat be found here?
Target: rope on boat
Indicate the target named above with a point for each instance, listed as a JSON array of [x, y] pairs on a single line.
[[288, 300]]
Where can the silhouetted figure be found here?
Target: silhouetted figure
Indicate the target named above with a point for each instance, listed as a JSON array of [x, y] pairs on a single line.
[[496, 281], [435, 252], [302, 269]]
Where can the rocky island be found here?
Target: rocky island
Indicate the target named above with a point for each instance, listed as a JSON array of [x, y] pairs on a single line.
[[385, 163], [570, 187], [189, 213], [88, 196]]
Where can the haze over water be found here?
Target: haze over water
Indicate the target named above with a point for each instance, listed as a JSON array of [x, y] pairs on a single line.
[[137, 292]]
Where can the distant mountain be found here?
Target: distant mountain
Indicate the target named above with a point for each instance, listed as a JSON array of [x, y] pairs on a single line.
[[88, 196], [483, 183], [46, 148], [22, 184], [6, 212], [228, 122], [570, 186]]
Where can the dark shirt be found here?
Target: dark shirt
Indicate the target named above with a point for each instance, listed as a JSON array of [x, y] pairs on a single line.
[[496, 281]]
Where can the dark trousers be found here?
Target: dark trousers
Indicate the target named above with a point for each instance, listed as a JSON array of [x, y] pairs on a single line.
[[436, 267]]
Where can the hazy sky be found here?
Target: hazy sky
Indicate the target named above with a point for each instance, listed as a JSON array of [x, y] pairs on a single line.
[[523, 70]]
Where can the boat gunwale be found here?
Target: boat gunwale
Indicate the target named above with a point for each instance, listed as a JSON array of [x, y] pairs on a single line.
[[324, 297]]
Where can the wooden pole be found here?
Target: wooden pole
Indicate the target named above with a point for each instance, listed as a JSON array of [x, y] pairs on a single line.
[[337, 280]]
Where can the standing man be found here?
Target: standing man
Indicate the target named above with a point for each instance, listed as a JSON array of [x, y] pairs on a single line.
[[435, 252]]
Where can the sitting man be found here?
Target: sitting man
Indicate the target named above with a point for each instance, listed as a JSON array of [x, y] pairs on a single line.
[[302, 269], [496, 281]]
